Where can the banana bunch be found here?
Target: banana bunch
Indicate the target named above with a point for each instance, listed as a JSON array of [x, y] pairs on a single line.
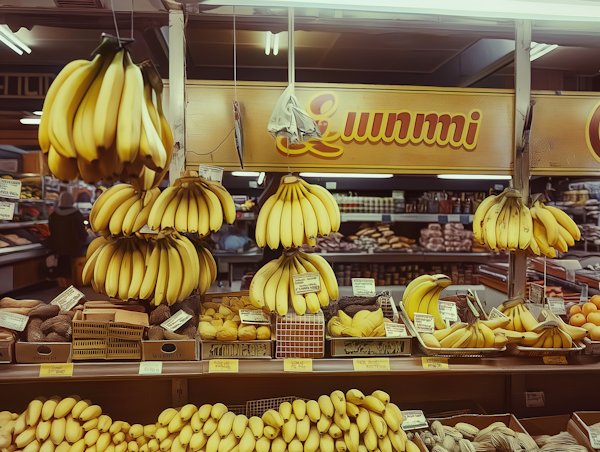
[[503, 222], [520, 318], [122, 210], [363, 324], [272, 287], [103, 120], [296, 214], [69, 425], [422, 294], [192, 204], [165, 270], [552, 230], [480, 334]]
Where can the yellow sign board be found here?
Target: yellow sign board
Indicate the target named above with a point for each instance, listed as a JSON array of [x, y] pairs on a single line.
[[371, 364], [56, 370], [223, 365], [297, 365], [431, 363]]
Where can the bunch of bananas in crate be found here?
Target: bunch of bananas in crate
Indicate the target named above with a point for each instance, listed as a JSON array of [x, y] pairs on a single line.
[[363, 324]]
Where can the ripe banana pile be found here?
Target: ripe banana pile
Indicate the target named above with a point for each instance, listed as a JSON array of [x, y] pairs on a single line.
[[296, 214], [165, 270], [422, 294], [503, 222], [272, 287], [553, 230], [363, 324], [68, 425], [103, 120], [480, 334], [122, 210], [192, 204]]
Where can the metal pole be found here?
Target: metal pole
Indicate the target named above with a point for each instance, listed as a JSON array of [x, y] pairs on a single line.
[[517, 277], [291, 52], [177, 101]]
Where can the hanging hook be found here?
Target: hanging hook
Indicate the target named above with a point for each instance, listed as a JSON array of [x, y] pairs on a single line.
[[291, 52], [112, 7]]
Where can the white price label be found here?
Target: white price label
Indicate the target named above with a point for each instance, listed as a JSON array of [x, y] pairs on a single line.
[[13, 321], [557, 306], [304, 283], [594, 438], [150, 368], [535, 399], [448, 310], [363, 287], [254, 316], [424, 323], [536, 293], [7, 210], [10, 188], [147, 230], [495, 313], [212, 173], [175, 322], [68, 299], [413, 419], [395, 329], [331, 185]]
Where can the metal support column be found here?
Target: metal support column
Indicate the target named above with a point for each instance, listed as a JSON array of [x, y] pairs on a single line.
[[177, 101], [518, 260]]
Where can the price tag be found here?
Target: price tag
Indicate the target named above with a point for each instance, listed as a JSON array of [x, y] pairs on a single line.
[[535, 399], [254, 316], [434, 363], [68, 299], [424, 323], [555, 360], [223, 365], [306, 283], [594, 438], [13, 321], [212, 173], [363, 287], [7, 210], [395, 329], [495, 313], [557, 306], [330, 185], [413, 419], [175, 322], [150, 368], [536, 293], [448, 310], [371, 364], [56, 370], [297, 365], [146, 230], [10, 188]]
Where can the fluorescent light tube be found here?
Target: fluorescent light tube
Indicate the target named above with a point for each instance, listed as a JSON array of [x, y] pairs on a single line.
[[10, 44], [245, 173], [473, 176], [276, 44], [30, 121], [348, 175], [7, 32], [268, 43], [539, 50], [38, 112], [261, 178]]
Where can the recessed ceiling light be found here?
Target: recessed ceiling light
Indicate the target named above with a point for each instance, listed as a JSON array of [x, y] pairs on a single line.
[[7, 34], [30, 121], [473, 176], [245, 173], [38, 112], [348, 175]]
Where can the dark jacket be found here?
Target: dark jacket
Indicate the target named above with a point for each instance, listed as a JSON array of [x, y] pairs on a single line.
[[67, 231]]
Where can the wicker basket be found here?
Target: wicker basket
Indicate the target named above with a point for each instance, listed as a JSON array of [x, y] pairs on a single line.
[[125, 331], [88, 329], [300, 336], [89, 349], [120, 349]]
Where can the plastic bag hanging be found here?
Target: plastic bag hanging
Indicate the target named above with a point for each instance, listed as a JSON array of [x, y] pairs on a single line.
[[288, 119]]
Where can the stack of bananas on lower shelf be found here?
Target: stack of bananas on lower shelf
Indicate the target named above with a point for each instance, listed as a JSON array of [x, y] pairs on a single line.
[[479, 334], [192, 204], [296, 214], [165, 270], [363, 324], [122, 210], [422, 294], [103, 120], [552, 229], [272, 287]]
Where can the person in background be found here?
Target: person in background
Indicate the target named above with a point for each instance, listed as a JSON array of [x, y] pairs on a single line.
[[67, 235]]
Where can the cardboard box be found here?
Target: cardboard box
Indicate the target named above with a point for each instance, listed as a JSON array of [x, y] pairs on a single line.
[[236, 349], [546, 425], [42, 352], [482, 421], [115, 315], [580, 423], [183, 350], [6, 351], [370, 346], [33, 162]]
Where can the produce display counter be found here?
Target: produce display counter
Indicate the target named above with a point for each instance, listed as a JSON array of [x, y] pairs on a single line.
[[387, 257]]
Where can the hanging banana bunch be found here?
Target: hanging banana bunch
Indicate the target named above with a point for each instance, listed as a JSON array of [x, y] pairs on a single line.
[[553, 229]]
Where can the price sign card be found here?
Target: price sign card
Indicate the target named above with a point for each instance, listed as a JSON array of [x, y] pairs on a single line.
[[12, 321], [10, 188], [594, 438], [536, 293], [147, 230], [297, 365], [223, 365], [175, 322], [68, 299], [395, 329], [557, 306], [495, 313], [254, 316], [56, 370], [555, 360], [430, 363], [424, 323], [7, 210], [448, 310], [413, 419], [306, 283], [371, 364], [363, 287], [212, 173], [535, 399], [150, 368]]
